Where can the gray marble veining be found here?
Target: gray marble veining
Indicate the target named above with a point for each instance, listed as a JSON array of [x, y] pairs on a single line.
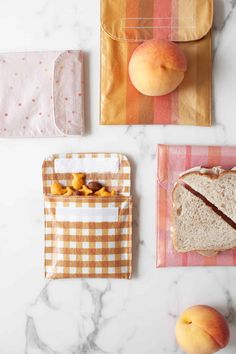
[[100, 316]]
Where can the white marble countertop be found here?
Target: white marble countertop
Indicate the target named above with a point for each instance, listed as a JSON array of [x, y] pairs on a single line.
[[100, 316]]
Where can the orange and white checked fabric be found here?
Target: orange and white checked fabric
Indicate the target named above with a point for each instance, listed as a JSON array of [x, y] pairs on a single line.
[[88, 237], [125, 24], [120, 180], [172, 161]]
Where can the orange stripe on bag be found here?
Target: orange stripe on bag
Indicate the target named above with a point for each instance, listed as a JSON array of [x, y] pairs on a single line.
[[132, 95], [162, 105]]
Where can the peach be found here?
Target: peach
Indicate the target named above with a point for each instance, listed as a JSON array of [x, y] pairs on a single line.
[[157, 67], [201, 330]]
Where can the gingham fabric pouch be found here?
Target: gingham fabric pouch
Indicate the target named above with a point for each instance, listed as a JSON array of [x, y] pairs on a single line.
[[171, 162], [88, 237], [125, 24], [41, 94]]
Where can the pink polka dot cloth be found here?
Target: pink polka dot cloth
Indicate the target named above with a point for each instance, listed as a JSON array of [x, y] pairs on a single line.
[[41, 94]]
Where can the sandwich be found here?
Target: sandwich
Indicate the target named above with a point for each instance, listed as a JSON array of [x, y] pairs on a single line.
[[204, 211]]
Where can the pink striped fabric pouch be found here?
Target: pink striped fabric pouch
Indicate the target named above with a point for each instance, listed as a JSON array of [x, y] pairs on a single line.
[[41, 94], [171, 161]]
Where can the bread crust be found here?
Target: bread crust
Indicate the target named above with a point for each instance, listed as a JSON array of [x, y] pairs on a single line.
[[208, 253], [210, 175]]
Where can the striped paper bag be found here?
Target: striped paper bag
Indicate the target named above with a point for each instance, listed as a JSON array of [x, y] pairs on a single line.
[[125, 24], [172, 161], [88, 236]]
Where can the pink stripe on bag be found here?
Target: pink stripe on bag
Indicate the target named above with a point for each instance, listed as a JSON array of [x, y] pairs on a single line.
[[162, 29], [162, 19]]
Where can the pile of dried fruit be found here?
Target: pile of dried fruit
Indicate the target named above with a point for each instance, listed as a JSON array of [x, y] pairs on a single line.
[[80, 188]]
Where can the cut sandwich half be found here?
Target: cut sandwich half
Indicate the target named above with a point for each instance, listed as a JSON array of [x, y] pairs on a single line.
[[204, 211]]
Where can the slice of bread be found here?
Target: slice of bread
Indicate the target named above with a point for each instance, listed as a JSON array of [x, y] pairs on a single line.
[[217, 185], [196, 226]]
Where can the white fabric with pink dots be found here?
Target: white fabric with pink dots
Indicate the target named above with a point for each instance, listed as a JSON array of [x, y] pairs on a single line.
[[41, 94]]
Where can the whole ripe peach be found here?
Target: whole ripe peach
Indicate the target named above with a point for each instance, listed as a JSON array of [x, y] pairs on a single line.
[[202, 330], [157, 67]]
